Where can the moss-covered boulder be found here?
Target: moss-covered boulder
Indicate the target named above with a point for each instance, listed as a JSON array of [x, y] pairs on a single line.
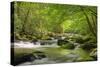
[[68, 46], [79, 40], [88, 46], [62, 42]]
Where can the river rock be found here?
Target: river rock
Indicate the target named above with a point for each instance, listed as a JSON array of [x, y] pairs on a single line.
[[66, 44], [61, 42], [88, 46], [39, 55], [23, 59]]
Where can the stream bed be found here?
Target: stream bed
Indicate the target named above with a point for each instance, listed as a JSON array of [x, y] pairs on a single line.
[[53, 54]]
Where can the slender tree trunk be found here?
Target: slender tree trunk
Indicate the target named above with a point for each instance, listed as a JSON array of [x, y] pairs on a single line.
[[94, 24], [25, 21], [89, 22]]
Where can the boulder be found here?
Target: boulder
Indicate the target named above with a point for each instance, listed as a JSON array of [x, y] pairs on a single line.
[[39, 55], [88, 46], [66, 44], [61, 42], [79, 40], [23, 59], [34, 41]]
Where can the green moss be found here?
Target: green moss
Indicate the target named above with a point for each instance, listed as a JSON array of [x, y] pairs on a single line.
[[84, 55]]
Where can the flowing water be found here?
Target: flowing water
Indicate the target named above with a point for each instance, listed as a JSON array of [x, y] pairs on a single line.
[[54, 53], [48, 43]]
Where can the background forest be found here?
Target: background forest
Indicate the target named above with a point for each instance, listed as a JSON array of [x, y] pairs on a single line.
[[38, 20], [73, 26]]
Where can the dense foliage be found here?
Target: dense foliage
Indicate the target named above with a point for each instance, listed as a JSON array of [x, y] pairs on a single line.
[[37, 20]]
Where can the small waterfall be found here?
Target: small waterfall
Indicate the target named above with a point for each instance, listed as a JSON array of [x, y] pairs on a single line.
[[40, 43], [22, 44]]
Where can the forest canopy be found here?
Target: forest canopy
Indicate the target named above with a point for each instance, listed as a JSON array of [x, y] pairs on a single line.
[[42, 20]]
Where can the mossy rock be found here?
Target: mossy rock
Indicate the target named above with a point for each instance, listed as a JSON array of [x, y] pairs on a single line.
[[68, 46], [79, 40], [61, 42], [88, 46], [17, 36]]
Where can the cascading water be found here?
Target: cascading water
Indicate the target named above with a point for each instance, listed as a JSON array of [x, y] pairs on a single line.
[[41, 43]]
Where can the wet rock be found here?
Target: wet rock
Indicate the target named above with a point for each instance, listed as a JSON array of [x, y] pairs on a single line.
[[39, 55], [42, 43], [34, 41], [50, 38], [61, 42], [48, 42], [66, 44], [23, 59], [79, 40], [88, 46], [28, 58]]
